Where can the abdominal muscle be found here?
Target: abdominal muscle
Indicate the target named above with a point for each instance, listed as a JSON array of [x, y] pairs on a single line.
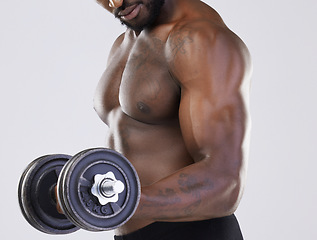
[[156, 151]]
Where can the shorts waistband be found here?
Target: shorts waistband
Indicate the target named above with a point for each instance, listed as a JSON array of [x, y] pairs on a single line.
[[160, 230], [151, 231]]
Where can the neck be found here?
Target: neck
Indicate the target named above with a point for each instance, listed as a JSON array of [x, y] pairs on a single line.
[[172, 11]]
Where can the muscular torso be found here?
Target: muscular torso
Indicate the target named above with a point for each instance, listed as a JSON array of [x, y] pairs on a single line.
[[138, 99]]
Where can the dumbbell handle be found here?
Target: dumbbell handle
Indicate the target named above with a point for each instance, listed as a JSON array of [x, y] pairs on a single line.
[[58, 206]]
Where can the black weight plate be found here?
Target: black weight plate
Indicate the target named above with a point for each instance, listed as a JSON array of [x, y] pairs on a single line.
[[20, 198], [59, 189], [81, 206], [36, 195]]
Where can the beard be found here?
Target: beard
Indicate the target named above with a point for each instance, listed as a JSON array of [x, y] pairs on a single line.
[[153, 9]]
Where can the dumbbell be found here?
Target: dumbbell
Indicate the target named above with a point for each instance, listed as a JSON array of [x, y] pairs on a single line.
[[97, 189]]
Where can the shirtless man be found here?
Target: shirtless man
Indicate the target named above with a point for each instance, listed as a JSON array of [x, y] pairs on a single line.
[[175, 98]]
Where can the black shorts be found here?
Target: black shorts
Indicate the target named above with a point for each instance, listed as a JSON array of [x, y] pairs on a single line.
[[225, 228]]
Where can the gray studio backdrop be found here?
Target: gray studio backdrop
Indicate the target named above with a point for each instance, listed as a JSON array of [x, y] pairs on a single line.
[[52, 54]]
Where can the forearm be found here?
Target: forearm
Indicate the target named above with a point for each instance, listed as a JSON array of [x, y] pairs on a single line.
[[190, 194]]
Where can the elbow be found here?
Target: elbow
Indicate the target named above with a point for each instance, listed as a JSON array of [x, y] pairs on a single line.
[[231, 197], [227, 198], [234, 197], [232, 188]]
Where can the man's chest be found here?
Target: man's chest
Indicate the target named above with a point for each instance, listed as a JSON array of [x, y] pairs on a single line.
[[138, 81]]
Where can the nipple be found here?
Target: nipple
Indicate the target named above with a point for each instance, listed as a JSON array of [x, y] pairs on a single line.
[[143, 108]]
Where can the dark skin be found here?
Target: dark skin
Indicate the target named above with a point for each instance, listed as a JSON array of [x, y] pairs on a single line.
[[175, 99]]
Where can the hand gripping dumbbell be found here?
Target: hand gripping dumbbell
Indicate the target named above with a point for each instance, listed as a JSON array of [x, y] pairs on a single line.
[[98, 189]]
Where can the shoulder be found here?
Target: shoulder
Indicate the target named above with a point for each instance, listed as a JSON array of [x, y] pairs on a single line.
[[203, 35], [193, 45], [120, 42]]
